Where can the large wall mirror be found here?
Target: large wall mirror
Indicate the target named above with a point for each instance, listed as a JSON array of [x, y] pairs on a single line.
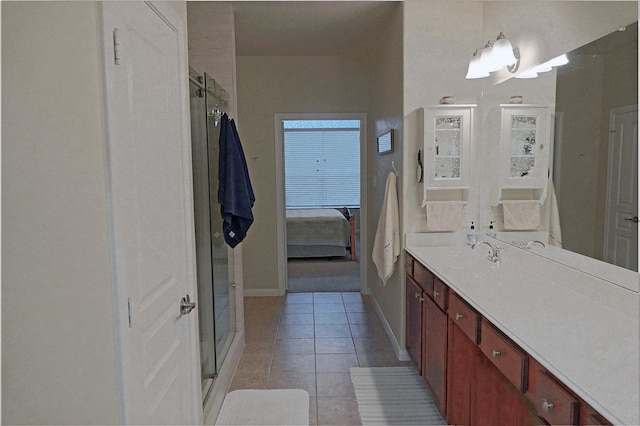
[[599, 86]]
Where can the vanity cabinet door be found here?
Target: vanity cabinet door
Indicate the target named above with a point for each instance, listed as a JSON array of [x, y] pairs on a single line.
[[414, 300], [525, 146], [496, 401], [434, 367], [462, 358], [447, 138]]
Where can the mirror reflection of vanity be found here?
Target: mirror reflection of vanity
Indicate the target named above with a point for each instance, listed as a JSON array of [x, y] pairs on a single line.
[[599, 81]]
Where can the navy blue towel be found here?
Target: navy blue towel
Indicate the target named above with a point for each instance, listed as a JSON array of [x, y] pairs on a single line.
[[235, 193]]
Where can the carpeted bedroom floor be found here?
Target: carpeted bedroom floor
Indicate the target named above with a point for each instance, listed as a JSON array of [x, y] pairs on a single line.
[[323, 274]]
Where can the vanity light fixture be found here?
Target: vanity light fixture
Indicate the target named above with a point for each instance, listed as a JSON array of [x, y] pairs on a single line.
[[494, 56], [476, 70], [558, 61]]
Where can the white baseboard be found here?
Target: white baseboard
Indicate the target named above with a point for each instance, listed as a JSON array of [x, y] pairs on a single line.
[[401, 353]]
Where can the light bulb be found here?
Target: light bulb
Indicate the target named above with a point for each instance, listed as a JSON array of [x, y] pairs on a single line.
[[475, 67], [503, 51]]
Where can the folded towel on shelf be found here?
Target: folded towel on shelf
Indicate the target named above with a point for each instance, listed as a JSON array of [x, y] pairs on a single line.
[[521, 214], [386, 245], [444, 216]]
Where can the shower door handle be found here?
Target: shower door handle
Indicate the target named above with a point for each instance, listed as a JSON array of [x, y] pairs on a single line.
[[186, 305]]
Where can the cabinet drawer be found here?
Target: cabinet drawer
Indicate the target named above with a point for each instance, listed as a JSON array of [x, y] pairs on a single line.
[[440, 294], [423, 277], [505, 355], [464, 316], [553, 402]]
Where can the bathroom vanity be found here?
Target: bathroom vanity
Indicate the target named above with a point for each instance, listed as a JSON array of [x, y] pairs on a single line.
[[523, 341]]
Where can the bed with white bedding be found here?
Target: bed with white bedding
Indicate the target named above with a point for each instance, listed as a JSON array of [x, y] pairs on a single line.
[[319, 233]]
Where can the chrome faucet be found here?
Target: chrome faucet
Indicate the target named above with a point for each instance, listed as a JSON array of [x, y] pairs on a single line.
[[494, 253], [529, 244]]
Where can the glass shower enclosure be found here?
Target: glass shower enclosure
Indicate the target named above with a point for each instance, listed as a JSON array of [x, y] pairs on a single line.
[[216, 302]]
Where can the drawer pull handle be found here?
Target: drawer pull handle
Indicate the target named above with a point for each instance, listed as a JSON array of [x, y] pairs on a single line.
[[495, 353], [546, 406], [417, 296], [459, 316], [435, 293]]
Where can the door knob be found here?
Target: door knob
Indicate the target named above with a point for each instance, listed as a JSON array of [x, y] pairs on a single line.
[[632, 219], [186, 305]]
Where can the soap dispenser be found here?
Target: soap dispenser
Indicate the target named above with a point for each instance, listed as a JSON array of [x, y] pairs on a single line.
[[472, 236], [491, 233]]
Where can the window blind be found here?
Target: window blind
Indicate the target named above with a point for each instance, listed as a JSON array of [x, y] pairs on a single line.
[[322, 163]]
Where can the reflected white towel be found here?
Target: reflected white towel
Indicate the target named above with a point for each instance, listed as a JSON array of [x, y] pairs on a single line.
[[521, 214], [386, 246], [555, 234], [444, 216]]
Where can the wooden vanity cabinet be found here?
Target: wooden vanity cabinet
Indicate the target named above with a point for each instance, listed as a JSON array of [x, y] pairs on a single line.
[[475, 373], [414, 300], [434, 360], [426, 328]]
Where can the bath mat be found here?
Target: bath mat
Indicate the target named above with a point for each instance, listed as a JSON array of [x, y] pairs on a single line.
[[265, 407], [393, 396]]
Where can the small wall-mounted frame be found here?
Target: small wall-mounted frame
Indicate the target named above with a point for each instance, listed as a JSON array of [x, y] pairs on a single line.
[[385, 142]]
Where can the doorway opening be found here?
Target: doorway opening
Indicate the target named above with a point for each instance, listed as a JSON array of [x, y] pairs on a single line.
[[321, 199]]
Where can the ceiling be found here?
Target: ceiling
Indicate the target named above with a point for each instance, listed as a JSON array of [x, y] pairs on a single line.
[[308, 28]]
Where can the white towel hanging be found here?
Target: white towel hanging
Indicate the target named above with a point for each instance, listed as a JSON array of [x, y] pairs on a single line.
[[386, 246]]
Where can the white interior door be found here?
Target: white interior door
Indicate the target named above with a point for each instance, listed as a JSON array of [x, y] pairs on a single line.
[[149, 160], [621, 234]]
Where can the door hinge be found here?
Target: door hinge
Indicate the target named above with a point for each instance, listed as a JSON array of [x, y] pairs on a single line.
[[116, 47], [129, 312]]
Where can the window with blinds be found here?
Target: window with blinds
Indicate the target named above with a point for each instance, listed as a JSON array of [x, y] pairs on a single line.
[[322, 163]]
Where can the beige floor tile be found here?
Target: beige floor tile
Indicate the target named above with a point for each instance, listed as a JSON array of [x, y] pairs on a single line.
[[353, 296], [286, 380], [331, 318], [296, 319], [254, 381], [297, 308], [328, 297], [296, 332], [355, 306], [335, 345], [259, 347], [338, 411], [361, 318], [254, 363], [335, 384], [328, 307], [295, 346], [377, 344], [294, 363], [367, 330], [332, 330], [313, 411], [335, 363]]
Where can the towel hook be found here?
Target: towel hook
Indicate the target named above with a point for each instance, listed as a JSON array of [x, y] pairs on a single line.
[[393, 166]]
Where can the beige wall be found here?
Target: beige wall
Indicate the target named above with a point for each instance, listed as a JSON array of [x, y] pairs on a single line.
[[271, 85], [385, 113], [58, 344], [212, 44]]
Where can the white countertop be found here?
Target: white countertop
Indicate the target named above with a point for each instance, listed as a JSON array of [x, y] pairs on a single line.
[[584, 330]]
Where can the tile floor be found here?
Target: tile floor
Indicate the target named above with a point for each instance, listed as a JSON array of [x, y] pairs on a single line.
[[309, 341]]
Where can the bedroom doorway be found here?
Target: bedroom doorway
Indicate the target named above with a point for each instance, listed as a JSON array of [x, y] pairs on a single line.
[[321, 201]]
